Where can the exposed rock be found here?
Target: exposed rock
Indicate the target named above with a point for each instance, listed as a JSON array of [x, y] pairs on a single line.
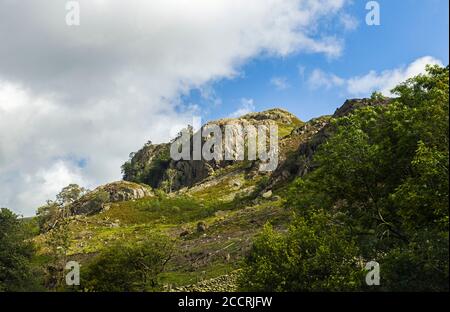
[[152, 164], [201, 227], [276, 198], [352, 104], [101, 197], [223, 283], [220, 213], [124, 191], [267, 194]]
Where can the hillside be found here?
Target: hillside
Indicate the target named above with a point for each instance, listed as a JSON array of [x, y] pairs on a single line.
[[364, 187], [213, 212]]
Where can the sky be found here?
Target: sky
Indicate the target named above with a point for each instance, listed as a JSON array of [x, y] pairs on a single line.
[[76, 100]]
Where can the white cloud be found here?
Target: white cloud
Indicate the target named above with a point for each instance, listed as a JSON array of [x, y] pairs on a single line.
[[96, 92], [385, 81], [247, 106], [280, 83], [348, 21], [320, 79], [47, 182], [364, 85]]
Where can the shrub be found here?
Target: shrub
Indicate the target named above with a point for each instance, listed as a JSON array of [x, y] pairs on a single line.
[[128, 268], [312, 256]]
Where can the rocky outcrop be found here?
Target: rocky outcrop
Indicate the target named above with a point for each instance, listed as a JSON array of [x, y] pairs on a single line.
[[96, 200], [152, 164], [298, 142], [352, 104], [124, 191]]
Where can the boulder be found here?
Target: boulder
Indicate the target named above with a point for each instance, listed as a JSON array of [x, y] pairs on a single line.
[[100, 198], [201, 227], [267, 194]]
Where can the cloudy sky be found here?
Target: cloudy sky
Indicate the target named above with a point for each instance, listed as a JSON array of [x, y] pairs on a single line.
[[76, 100]]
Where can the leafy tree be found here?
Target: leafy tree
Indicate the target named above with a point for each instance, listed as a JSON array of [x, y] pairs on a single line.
[[129, 268], [313, 256], [48, 216], [171, 175], [69, 194], [55, 211], [383, 177], [16, 253]]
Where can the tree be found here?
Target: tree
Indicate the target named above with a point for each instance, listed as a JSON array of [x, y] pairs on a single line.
[[50, 214], [314, 255], [70, 194], [16, 270], [382, 178], [129, 268]]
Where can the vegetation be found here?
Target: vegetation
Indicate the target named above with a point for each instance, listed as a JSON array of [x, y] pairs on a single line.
[[312, 256], [370, 185], [153, 173], [55, 211], [17, 272], [124, 267], [380, 192]]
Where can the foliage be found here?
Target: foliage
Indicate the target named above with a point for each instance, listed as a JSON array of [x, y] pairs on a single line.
[[419, 265], [55, 211], [383, 176], [123, 267], [48, 216], [70, 194], [16, 270], [140, 170], [313, 256], [58, 242]]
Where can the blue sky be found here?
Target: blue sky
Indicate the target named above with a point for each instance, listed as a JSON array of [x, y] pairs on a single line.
[[409, 30]]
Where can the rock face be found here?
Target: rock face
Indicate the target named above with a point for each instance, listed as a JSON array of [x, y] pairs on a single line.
[[96, 200], [298, 142], [353, 104], [124, 191], [152, 164]]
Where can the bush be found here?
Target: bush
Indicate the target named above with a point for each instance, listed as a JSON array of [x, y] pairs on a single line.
[[382, 177], [312, 256], [16, 270], [128, 268]]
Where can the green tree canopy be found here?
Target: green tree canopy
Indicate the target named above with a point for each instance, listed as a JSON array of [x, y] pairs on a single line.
[[382, 181], [16, 253]]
